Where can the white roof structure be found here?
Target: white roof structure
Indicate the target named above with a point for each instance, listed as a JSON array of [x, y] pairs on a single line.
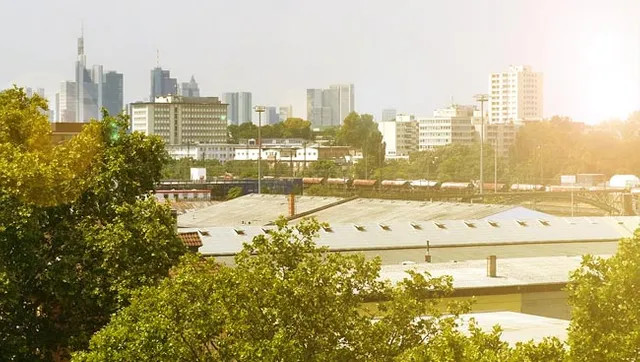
[[227, 241], [519, 327], [262, 209]]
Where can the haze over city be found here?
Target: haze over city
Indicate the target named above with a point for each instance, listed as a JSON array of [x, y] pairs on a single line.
[[410, 55]]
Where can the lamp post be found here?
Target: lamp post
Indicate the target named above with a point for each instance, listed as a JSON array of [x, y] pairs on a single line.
[[260, 110], [481, 98]]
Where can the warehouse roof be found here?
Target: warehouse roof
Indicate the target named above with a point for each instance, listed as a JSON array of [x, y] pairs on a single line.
[[440, 234], [256, 209], [510, 271], [519, 327]]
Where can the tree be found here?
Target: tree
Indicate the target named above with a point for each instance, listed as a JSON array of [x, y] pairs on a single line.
[[605, 310], [296, 128], [78, 228], [360, 131], [288, 300]]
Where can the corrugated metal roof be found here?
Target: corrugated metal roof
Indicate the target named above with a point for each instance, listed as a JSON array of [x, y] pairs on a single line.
[[441, 234]]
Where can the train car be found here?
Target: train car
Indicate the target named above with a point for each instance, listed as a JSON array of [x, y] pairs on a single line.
[[456, 186], [394, 184], [560, 188], [423, 184], [527, 187], [309, 181], [493, 187], [364, 184], [338, 182]]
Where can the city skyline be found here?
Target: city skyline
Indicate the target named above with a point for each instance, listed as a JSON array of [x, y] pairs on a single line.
[[589, 54]]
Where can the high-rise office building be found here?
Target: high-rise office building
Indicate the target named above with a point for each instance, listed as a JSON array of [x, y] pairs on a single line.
[[113, 92], [240, 107], [81, 101], [162, 84], [182, 120], [515, 95], [388, 114], [190, 89], [285, 112], [329, 107], [271, 115]]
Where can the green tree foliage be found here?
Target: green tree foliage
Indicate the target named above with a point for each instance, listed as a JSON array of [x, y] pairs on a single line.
[[546, 150], [324, 168], [605, 311], [360, 131], [234, 192], [78, 235], [290, 128], [288, 300]]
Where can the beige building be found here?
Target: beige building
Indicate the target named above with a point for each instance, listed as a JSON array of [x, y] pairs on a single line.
[[501, 136], [182, 120], [448, 125], [515, 95], [400, 136]]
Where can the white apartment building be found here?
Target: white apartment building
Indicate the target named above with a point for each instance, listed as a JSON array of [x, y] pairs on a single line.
[[182, 120], [515, 95], [222, 152], [448, 125], [400, 136]]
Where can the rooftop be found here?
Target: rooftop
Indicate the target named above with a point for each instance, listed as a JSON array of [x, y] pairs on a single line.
[[263, 209], [520, 327]]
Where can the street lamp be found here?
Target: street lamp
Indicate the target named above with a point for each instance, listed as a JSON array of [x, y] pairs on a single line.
[[481, 98], [260, 110]]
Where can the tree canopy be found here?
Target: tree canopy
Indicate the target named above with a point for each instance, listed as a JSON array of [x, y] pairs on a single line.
[[286, 299], [78, 232], [289, 128]]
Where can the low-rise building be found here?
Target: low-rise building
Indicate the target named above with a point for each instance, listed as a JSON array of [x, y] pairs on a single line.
[[400, 136], [222, 152], [447, 126], [64, 131]]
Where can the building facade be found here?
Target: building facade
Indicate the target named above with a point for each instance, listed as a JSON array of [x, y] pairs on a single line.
[[83, 99], [447, 126], [516, 95], [182, 120], [400, 136], [329, 107], [222, 152], [113, 92], [270, 115], [285, 112], [190, 89], [500, 136], [240, 108], [388, 114], [162, 85]]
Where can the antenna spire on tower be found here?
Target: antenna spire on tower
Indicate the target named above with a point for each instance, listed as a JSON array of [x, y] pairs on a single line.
[[157, 58]]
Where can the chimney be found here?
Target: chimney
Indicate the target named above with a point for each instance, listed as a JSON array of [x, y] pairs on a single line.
[[292, 205], [491, 266], [174, 216], [427, 255]]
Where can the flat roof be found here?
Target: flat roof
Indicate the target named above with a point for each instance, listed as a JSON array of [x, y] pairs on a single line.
[[439, 235], [519, 327], [263, 209], [510, 271]]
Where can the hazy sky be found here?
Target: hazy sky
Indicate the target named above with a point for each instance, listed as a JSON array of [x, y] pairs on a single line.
[[409, 55]]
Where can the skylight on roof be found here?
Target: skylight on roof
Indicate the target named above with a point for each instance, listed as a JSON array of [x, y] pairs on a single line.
[[359, 227], [204, 232], [416, 226], [470, 224], [385, 227], [239, 231], [327, 229], [521, 222], [544, 222], [440, 225], [493, 223]]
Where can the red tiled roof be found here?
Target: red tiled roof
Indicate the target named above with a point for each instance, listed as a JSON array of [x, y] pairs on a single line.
[[191, 239]]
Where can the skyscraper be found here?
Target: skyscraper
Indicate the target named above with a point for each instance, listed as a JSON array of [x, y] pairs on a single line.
[[81, 101], [515, 95], [285, 112], [329, 107], [388, 114], [190, 89], [162, 84], [113, 92], [271, 115], [240, 107]]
